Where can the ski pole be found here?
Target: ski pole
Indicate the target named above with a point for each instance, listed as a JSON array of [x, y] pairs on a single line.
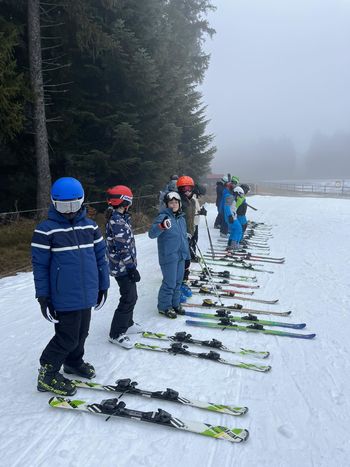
[[251, 207], [213, 284], [211, 243]]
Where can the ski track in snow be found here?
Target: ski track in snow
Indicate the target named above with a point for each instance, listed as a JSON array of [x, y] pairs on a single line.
[[298, 413]]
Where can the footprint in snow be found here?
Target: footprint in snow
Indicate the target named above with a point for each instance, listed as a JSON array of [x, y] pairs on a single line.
[[285, 431]]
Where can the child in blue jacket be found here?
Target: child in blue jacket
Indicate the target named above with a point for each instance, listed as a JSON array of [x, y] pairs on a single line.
[[169, 227], [230, 214], [71, 276]]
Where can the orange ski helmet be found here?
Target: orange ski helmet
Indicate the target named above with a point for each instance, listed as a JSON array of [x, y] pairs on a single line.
[[185, 180]]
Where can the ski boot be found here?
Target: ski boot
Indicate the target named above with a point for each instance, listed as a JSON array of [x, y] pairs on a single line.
[[183, 299], [53, 381], [179, 310], [186, 290], [85, 370], [229, 247], [122, 340], [169, 313]]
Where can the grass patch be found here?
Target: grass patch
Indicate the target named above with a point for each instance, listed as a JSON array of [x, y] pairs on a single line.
[[15, 239]]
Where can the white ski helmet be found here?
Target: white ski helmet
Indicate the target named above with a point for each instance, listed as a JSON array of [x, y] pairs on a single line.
[[239, 191], [172, 195]]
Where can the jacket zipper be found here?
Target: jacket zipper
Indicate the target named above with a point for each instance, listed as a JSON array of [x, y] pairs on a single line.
[[81, 266]]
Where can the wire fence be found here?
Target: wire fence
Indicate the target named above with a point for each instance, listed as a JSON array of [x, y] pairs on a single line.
[[144, 203], [16, 229], [326, 188]]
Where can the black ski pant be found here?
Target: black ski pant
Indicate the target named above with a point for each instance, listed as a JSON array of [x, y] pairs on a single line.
[[67, 345], [122, 318], [187, 269], [219, 220], [224, 227]]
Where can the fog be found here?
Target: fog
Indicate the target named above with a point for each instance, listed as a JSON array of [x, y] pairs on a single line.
[[278, 88]]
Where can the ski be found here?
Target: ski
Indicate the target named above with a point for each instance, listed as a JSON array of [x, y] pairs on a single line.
[[213, 343], [203, 279], [224, 274], [251, 328], [231, 294], [222, 250], [115, 408], [177, 348], [208, 303], [249, 245], [240, 257], [198, 285], [129, 387], [224, 315], [246, 266]]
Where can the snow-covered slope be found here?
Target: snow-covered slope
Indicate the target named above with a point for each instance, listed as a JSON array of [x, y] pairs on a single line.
[[298, 413]]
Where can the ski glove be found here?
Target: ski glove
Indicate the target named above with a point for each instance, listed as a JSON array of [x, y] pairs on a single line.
[[47, 309], [203, 211], [134, 275], [230, 219], [101, 299], [165, 224]]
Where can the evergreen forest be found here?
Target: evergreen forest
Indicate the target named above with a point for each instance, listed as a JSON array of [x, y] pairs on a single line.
[[119, 104]]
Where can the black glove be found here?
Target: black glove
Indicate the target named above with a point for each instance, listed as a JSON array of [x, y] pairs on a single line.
[[230, 219], [134, 275], [101, 299], [203, 211], [47, 309]]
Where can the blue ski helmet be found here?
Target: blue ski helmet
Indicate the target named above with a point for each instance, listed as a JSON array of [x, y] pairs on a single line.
[[67, 195]]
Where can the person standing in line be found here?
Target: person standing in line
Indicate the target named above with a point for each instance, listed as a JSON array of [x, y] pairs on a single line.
[[169, 227], [185, 186], [241, 206], [234, 227], [71, 276], [234, 181], [198, 191], [122, 264], [219, 189], [170, 186]]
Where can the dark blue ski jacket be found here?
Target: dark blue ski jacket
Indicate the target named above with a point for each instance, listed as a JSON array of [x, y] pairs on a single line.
[[69, 261]]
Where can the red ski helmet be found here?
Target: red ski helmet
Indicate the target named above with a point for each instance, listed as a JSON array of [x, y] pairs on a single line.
[[119, 196]]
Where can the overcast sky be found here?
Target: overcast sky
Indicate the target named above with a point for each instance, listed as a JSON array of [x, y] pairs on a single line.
[[280, 69]]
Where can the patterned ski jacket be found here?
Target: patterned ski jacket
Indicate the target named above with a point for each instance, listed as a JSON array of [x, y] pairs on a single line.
[[69, 261], [172, 243], [120, 244]]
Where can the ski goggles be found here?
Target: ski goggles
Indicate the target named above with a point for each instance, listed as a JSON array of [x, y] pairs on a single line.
[[67, 206], [186, 188], [173, 195], [126, 198]]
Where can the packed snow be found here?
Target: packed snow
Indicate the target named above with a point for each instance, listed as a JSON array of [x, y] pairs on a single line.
[[298, 413]]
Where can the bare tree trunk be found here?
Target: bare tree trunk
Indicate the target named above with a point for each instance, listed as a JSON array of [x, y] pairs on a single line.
[[40, 130]]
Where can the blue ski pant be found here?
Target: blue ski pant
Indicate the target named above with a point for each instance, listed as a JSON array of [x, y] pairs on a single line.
[[169, 292], [235, 231], [243, 221]]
